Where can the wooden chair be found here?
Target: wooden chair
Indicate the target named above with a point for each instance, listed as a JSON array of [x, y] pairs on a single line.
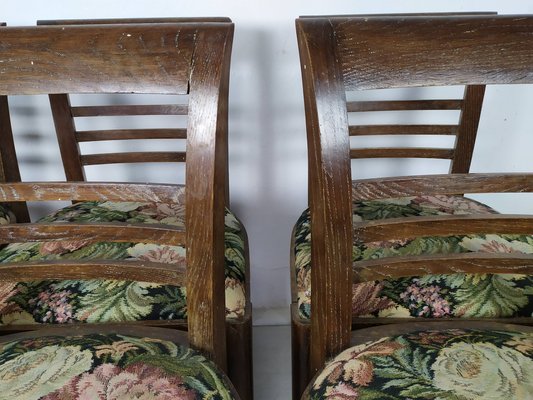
[[166, 58], [239, 317], [342, 54]]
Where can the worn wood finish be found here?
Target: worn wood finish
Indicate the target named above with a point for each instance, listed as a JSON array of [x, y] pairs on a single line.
[[329, 196], [441, 225], [380, 152], [93, 232], [133, 157], [468, 263], [91, 191], [205, 280], [380, 188], [130, 20], [169, 58], [129, 134], [162, 273], [127, 109], [372, 52], [361, 130]]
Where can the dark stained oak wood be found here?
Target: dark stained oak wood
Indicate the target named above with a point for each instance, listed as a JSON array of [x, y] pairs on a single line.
[[133, 157], [380, 152], [352, 53], [162, 273], [126, 109], [380, 188], [442, 225], [129, 134], [130, 20], [468, 263], [93, 232], [403, 105], [361, 130]]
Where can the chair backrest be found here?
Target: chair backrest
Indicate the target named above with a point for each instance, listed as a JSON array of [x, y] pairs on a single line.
[[65, 117], [342, 54], [164, 58]]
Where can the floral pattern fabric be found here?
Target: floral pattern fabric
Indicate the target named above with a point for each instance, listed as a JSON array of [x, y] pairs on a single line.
[[109, 367], [94, 301], [6, 216], [432, 296], [450, 364]]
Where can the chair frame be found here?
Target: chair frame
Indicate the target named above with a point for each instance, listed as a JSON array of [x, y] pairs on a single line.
[[164, 67], [396, 52]]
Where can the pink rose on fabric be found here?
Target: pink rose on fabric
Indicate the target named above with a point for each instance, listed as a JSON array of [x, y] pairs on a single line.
[[66, 246], [137, 381]]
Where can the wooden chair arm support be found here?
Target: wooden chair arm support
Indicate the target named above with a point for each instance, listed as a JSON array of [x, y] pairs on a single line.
[[442, 225], [485, 263], [93, 232], [371, 189], [89, 191], [161, 273]]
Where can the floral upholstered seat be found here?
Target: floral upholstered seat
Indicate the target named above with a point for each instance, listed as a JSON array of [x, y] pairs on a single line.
[[435, 296], [467, 364], [107, 366], [113, 301]]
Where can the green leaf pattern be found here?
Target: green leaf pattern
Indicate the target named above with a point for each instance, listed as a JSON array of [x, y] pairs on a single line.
[[449, 364], [432, 296], [107, 300], [108, 364]]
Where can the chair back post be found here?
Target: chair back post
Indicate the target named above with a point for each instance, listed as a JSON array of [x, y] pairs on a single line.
[[207, 148], [330, 195], [9, 169]]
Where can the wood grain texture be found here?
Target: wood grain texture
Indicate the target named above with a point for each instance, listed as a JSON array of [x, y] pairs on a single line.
[[404, 266], [133, 157], [402, 152], [93, 232], [162, 273], [128, 109], [403, 105], [329, 199], [89, 191], [467, 132], [130, 20], [442, 225], [406, 52], [380, 188], [130, 134], [112, 59], [207, 134], [361, 130]]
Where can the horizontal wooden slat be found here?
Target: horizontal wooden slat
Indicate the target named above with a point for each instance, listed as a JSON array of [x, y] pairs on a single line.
[[109, 59], [442, 225], [134, 157], [489, 263], [127, 134], [129, 20], [404, 105], [407, 52], [361, 130], [414, 152], [169, 274], [129, 110], [368, 189], [93, 232], [90, 191]]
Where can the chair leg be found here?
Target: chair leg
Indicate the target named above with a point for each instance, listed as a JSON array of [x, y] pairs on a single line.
[[239, 349], [300, 357]]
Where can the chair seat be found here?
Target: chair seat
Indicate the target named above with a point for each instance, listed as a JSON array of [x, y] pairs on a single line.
[[432, 364], [107, 366], [98, 301], [433, 296]]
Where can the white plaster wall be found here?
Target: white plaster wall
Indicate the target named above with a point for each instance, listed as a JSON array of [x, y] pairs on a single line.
[[267, 130]]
